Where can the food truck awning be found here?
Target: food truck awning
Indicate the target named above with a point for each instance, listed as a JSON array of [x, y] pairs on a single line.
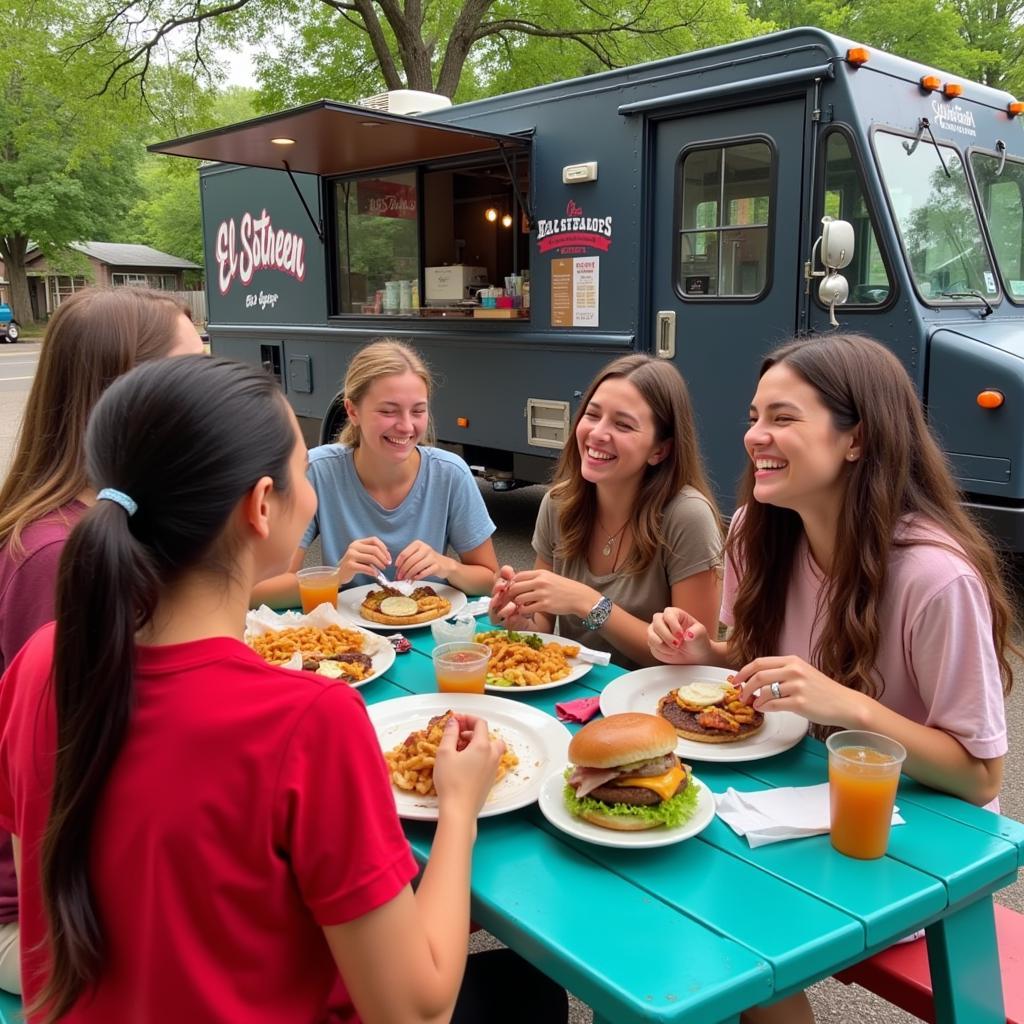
[[329, 138]]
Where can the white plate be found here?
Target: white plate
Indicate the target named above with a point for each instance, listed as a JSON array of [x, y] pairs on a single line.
[[641, 691], [350, 601], [382, 654], [539, 741], [577, 668], [552, 806]]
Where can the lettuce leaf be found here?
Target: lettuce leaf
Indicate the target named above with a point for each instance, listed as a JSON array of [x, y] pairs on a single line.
[[670, 813]]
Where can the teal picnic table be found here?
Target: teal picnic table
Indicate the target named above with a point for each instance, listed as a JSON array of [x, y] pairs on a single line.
[[703, 929]]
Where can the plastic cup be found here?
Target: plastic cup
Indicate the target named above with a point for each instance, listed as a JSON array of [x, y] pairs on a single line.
[[459, 628], [318, 585], [863, 773], [461, 667]]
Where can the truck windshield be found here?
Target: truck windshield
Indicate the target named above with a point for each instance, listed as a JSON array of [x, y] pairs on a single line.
[[1001, 187], [937, 220]]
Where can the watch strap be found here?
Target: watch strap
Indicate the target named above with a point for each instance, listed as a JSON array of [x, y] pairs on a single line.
[[598, 615]]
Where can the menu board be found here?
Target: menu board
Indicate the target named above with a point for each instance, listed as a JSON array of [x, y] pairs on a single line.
[[575, 291]]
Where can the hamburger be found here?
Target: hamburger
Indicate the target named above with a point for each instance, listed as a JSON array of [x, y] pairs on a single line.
[[393, 608], [625, 775], [710, 712]]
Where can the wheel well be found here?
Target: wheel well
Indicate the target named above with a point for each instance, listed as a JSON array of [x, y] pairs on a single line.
[[334, 420]]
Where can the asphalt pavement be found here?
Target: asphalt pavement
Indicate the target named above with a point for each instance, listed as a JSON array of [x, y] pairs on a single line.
[[514, 513]]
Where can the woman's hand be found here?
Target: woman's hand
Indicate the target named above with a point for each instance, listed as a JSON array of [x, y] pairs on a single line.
[[544, 591], [368, 556], [677, 638], [420, 560], [466, 764], [502, 611], [803, 689]]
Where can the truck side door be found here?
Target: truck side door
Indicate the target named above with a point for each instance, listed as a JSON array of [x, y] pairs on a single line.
[[726, 261]]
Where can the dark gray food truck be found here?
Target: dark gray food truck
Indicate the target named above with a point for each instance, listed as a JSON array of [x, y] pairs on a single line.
[[676, 208]]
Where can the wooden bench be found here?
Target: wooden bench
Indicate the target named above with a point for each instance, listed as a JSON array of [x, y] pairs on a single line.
[[900, 973]]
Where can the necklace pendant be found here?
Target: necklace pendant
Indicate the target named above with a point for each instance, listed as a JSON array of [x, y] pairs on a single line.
[[607, 549]]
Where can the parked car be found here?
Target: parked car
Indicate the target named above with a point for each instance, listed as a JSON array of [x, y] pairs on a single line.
[[9, 328]]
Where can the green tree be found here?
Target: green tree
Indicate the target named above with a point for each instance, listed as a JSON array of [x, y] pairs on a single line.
[[66, 160]]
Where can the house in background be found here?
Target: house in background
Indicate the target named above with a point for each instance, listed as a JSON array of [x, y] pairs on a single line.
[[111, 263]]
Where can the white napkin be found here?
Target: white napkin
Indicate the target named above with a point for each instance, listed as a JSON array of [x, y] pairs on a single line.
[[771, 815], [592, 656], [477, 607]]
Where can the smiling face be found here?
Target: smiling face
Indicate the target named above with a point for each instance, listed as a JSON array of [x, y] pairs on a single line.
[[392, 416], [798, 454], [616, 434]]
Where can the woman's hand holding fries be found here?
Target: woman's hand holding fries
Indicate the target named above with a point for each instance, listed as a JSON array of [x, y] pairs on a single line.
[[467, 761]]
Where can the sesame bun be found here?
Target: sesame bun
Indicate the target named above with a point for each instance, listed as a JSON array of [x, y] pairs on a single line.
[[622, 739]]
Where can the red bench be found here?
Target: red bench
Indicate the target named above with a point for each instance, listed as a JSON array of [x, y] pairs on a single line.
[[900, 973]]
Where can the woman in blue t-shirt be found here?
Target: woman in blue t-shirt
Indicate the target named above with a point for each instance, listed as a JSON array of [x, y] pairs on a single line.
[[387, 501]]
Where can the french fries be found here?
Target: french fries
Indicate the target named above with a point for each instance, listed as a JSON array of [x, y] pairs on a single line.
[[515, 661], [278, 645], [412, 762]]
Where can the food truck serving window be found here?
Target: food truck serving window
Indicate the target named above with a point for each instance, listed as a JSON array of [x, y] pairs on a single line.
[[1001, 187], [438, 242], [725, 211], [844, 199], [937, 219]]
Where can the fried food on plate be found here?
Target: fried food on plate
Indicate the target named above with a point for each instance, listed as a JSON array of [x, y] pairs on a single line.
[[391, 607], [411, 763], [525, 659], [710, 712]]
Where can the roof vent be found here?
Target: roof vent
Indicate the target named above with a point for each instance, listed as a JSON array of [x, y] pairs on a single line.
[[405, 101]]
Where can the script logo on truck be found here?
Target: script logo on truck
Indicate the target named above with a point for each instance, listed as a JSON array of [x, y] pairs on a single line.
[[255, 245], [574, 232], [953, 118]]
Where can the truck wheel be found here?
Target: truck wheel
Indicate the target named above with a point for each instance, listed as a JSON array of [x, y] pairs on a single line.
[[12, 332], [334, 421]]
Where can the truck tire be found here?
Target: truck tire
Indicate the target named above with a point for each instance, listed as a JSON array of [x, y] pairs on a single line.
[[334, 420], [13, 333]]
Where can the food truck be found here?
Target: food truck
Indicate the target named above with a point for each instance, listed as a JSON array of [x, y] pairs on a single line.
[[676, 208]]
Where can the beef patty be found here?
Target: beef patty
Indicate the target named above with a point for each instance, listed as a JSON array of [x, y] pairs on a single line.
[[685, 723], [638, 795]]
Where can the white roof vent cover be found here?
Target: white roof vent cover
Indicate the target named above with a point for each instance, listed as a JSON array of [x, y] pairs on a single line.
[[405, 101]]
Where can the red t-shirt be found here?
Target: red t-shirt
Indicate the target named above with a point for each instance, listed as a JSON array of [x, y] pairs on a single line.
[[249, 807]]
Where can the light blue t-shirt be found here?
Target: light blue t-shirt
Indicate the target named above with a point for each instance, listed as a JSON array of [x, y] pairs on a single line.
[[443, 508]]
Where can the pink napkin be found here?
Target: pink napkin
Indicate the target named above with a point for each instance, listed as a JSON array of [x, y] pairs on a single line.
[[581, 710]]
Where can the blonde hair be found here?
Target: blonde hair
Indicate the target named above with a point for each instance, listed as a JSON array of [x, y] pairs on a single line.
[[384, 358]]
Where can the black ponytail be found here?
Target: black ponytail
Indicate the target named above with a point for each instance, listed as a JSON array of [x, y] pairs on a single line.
[[185, 438]]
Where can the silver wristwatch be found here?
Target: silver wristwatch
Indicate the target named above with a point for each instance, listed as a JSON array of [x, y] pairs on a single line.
[[598, 615]]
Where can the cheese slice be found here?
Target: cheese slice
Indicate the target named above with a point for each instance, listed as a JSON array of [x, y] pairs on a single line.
[[664, 785], [702, 694]]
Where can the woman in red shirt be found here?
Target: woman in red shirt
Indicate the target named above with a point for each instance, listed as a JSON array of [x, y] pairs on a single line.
[[200, 835]]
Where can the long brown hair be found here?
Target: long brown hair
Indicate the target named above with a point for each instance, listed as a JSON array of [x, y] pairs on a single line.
[[901, 472], [213, 428], [665, 392], [384, 358], [94, 337]]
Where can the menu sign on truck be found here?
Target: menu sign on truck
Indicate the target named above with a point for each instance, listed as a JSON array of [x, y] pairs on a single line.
[[575, 291]]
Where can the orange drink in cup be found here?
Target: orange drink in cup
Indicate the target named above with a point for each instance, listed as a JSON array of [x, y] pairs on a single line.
[[461, 667], [318, 585], [863, 773]]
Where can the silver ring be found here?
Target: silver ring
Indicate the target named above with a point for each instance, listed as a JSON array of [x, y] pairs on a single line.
[[776, 691]]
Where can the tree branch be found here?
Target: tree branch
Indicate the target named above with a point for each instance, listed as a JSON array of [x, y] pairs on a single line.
[[379, 42], [460, 42]]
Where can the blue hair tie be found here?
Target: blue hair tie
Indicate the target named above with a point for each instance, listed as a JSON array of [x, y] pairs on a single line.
[[120, 498]]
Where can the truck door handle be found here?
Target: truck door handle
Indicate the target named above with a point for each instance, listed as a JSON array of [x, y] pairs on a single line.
[[665, 340]]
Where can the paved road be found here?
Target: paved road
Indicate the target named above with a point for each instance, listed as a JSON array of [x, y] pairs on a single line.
[[514, 513]]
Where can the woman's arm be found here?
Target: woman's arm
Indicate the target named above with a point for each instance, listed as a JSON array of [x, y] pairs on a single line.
[[404, 961], [934, 757], [280, 591]]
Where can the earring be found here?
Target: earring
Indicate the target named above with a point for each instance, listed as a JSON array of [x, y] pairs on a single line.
[[850, 457]]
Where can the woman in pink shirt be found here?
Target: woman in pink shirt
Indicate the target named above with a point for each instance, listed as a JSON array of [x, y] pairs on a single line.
[[860, 593], [94, 337], [202, 836]]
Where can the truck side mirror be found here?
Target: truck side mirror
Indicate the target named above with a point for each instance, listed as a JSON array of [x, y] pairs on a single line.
[[836, 247]]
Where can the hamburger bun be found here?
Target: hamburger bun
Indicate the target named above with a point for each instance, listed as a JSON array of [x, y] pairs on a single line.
[[622, 739], [618, 822]]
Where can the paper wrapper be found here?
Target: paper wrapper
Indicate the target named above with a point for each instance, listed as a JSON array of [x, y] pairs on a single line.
[[263, 619]]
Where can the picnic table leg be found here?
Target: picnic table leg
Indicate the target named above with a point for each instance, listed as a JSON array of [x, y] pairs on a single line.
[[964, 961]]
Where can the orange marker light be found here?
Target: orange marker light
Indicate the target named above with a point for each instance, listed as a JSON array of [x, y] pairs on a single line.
[[990, 399], [1014, 108], [930, 83], [857, 55], [463, 421], [953, 89]]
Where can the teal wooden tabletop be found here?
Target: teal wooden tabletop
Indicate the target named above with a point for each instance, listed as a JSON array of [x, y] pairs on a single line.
[[700, 930]]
